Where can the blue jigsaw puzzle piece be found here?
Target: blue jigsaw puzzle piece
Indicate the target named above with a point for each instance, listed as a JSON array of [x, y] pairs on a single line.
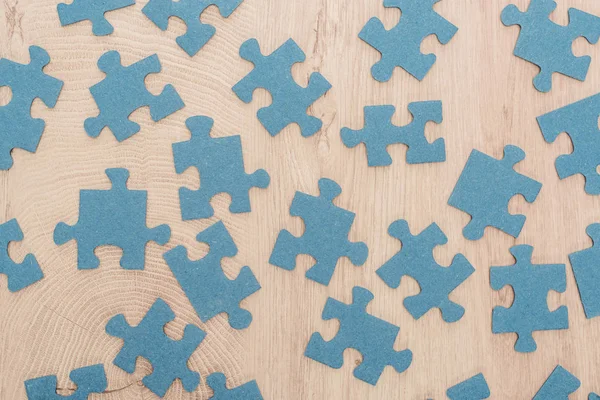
[[559, 385], [247, 391], [548, 44], [484, 189], [373, 337], [593, 396], [92, 10], [115, 217], [189, 11], [474, 388], [204, 282], [325, 236], [123, 91], [18, 130], [415, 259], [586, 268], [290, 101], [220, 163], [89, 380], [580, 121], [19, 275], [401, 45], [379, 132], [529, 310], [168, 357]]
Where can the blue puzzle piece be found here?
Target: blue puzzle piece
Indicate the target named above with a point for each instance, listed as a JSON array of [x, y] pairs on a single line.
[[18, 130], [474, 388], [115, 217], [19, 275], [401, 45], [92, 10], [560, 384], [220, 164], [189, 11], [415, 259], [373, 337], [289, 100], [325, 236], [529, 310], [548, 44], [168, 357], [484, 189], [204, 282], [123, 91], [247, 391], [89, 380], [379, 132], [580, 121], [586, 268], [593, 396]]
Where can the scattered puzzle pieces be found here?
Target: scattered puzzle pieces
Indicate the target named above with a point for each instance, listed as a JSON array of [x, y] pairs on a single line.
[[474, 388], [123, 91], [289, 100], [325, 236], [90, 379], [529, 310], [484, 189], [247, 391], [18, 130], [560, 384], [92, 10], [373, 337], [19, 275], [189, 11], [114, 217], [204, 282], [220, 164], [168, 357], [415, 259], [401, 45], [379, 132], [586, 268], [548, 44], [580, 121]]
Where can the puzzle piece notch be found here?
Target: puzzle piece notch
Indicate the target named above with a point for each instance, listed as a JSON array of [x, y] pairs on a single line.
[[19, 275], [290, 101], [436, 282], [401, 45], [474, 388], [247, 391], [559, 385], [220, 164], [114, 217], [548, 44], [18, 130], [529, 311], [189, 11], [586, 269], [168, 357], [206, 285], [379, 132], [580, 121], [484, 189], [91, 10], [123, 91], [325, 237], [91, 379]]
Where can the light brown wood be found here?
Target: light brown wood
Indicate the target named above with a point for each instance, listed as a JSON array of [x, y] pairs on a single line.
[[488, 100]]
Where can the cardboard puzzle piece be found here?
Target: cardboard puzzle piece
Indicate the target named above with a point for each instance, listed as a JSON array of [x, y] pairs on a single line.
[[19, 275], [123, 91], [220, 163], [114, 217], [290, 101], [560, 384], [379, 132], [529, 311], [484, 189], [88, 380], [18, 130], [474, 388], [401, 45], [548, 44], [586, 268], [168, 357], [247, 391], [436, 282], [325, 237], [189, 11], [91, 10]]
